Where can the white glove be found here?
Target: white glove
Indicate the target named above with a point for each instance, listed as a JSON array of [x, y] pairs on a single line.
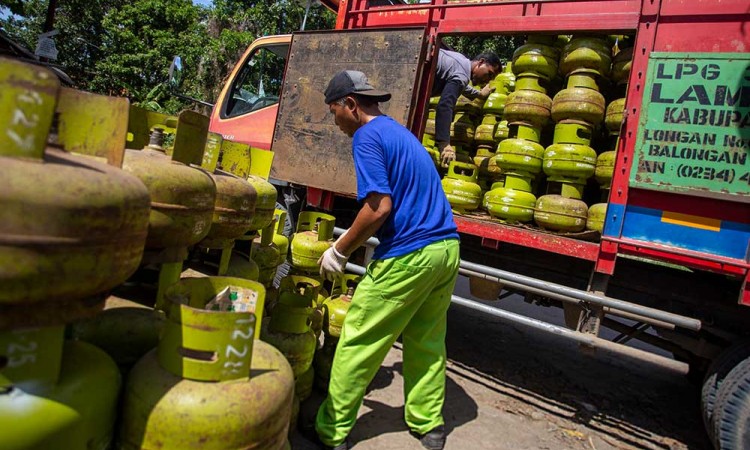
[[332, 263]]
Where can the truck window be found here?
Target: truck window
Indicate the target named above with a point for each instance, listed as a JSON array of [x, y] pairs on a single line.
[[258, 84]]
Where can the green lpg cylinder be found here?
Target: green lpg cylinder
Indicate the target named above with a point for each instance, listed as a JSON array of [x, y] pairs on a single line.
[[289, 328], [182, 197], [429, 126], [209, 384], [70, 226], [313, 237], [558, 213], [487, 164], [78, 227], [337, 305], [527, 106], [279, 239], [495, 103], [501, 131], [485, 132], [569, 163], [595, 220], [470, 107], [125, 330], [573, 133], [233, 210], [428, 140], [242, 266], [265, 205], [605, 168], [461, 188], [323, 362], [536, 58], [578, 104], [532, 82], [520, 155], [505, 81], [511, 205], [266, 254], [304, 384], [621, 65], [615, 115], [434, 155], [462, 129], [294, 282], [55, 395], [587, 54]]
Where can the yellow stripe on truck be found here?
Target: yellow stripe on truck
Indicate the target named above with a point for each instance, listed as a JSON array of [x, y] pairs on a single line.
[[688, 220]]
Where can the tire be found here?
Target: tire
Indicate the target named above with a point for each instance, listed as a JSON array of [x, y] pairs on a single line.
[[731, 415], [715, 375]]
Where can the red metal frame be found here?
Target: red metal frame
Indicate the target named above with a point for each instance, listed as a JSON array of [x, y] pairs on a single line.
[[319, 198], [528, 238], [660, 25]]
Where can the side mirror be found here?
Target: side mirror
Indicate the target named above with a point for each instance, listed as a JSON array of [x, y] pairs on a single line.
[[175, 74]]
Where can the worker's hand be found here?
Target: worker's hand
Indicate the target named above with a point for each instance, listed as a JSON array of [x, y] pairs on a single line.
[[332, 263], [447, 154], [486, 91]]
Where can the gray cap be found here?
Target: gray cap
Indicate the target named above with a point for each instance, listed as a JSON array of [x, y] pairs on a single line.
[[349, 82]]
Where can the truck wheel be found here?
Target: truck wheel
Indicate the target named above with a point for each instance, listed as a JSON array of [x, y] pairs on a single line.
[[717, 372], [731, 415]]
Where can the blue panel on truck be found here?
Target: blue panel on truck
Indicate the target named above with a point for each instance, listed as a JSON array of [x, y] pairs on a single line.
[[701, 234], [614, 219]]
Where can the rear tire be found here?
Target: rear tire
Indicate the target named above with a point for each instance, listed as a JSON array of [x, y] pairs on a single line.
[[715, 376], [731, 415]]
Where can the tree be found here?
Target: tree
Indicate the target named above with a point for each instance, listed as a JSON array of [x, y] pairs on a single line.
[[140, 38], [234, 24], [503, 45], [14, 6], [122, 47], [79, 23]]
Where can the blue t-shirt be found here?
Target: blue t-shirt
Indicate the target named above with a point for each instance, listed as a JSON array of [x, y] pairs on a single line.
[[390, 160]]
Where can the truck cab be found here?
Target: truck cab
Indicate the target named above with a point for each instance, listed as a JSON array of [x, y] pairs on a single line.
[[247, 106]]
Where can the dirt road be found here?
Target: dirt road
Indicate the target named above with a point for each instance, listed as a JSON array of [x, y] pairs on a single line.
[[513, 388]]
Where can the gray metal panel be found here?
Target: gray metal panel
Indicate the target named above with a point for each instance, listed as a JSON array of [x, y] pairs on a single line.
[[309, 148]]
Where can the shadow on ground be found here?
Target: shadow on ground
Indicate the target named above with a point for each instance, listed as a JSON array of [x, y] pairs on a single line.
[[383, 418], [634, 403]]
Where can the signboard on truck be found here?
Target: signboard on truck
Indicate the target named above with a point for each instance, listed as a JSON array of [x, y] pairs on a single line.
[[694, 128]]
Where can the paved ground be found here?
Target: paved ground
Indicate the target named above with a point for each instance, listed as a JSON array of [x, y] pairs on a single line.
[[512, 388]]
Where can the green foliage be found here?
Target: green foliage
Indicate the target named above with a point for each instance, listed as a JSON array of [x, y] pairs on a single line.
[[80, 25], [503, 45], [140, 39], [124, 47], [234, 24], [14, 6]]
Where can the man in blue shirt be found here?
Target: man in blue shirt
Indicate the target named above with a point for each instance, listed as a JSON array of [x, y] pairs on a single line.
[[407, 287]]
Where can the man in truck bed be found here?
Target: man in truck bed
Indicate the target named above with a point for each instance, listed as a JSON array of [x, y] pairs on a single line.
[[408, 285], [452, 76]]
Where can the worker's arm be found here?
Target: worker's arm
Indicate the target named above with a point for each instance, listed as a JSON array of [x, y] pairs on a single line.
[[374, 212], [443, 119]]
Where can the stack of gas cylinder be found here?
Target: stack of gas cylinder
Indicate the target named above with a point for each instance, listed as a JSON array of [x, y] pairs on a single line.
[[303, 308], [533, 152], [80, 216]]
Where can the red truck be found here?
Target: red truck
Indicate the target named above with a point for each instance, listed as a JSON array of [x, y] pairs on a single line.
[[672, 264]]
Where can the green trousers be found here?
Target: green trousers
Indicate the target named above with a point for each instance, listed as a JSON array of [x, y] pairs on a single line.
[[407, 295]]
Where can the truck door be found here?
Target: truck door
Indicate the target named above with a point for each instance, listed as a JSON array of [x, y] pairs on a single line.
[[246, 109], [309, 148]]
